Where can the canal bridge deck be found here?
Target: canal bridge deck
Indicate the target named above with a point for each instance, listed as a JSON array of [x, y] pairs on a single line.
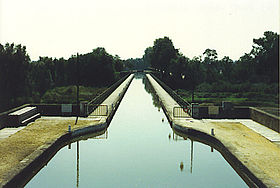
[[165, 98], [19, 149], [255, 146], [111, 101]]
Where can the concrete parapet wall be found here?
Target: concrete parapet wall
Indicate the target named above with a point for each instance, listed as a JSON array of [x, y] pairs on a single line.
[[238, 112], [174, 95], [269, 120], [100, 98]]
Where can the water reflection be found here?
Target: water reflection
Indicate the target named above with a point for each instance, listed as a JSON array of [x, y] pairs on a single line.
[[181, 166], [177, 138], [139, 75], [78, 164], [98, 135], [148, 87]]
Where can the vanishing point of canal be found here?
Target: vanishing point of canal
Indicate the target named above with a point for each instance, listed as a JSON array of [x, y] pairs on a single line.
[[139, 149]]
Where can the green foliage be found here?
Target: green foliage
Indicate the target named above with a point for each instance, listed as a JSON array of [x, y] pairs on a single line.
[[254, 77], [22, 81], [256, 99], [136, 64], [160, 55], [97, 68], [60, 95], [14, 66]]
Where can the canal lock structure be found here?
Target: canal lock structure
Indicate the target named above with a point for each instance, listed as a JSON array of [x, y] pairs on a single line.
[[139, 149]]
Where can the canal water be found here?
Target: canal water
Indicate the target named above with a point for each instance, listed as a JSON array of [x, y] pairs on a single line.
[[139, 149]]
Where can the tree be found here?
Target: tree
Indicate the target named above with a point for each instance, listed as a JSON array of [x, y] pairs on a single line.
[[266, 56], [244, 70], [60, 72], [40, 76], [226, 66], [97, 68], [210, 55], [14, 65], [147, 57], [118, 63], [163, 52], [211, 65]]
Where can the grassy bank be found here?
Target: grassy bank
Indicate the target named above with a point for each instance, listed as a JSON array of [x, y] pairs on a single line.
[[254, 99], [68, 94]]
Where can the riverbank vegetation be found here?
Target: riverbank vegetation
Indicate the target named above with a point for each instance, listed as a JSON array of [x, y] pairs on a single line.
[[68, 94], [25, 81], [253, 80]]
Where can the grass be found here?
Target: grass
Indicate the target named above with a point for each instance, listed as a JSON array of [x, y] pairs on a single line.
[[255, 99], [68, 94]]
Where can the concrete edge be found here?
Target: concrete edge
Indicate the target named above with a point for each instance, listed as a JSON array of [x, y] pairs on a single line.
[[250, 179], [266, 113], [268, 120], [34, 162]]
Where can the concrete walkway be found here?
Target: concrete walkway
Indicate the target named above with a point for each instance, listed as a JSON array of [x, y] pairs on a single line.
[[112, 100], [6, 132], [166, 99], [269, 134], [117, 93], [251, 143]]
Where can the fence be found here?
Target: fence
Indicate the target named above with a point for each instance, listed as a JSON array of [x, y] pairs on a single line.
[[98, 110], [100, 98], [174, 95], [179, 112]]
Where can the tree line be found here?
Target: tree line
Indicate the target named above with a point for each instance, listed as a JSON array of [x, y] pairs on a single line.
[[259, 67], [25, 81]]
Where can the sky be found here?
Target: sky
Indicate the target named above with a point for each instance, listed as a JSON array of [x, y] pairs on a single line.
[[61, 28]]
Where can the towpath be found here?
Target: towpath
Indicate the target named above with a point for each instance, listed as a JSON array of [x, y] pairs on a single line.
[[19, 149], [245, 139]]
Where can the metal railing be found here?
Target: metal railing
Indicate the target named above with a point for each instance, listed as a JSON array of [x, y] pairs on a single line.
[[100, 98], [98, 110], [173, 94], [179, 112]]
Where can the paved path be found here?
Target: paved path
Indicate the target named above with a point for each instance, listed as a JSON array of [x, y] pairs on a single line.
[[6, 132], [166, 99], [254, 145], [112, 99], [269, 134]]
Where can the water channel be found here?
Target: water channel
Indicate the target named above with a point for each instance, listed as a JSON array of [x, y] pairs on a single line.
[[139, 149]]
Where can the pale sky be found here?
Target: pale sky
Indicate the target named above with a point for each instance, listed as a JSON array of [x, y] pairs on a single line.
[[61, 28]]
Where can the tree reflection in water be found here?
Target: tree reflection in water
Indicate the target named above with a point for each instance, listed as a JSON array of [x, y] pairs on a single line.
[[177, 138]]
